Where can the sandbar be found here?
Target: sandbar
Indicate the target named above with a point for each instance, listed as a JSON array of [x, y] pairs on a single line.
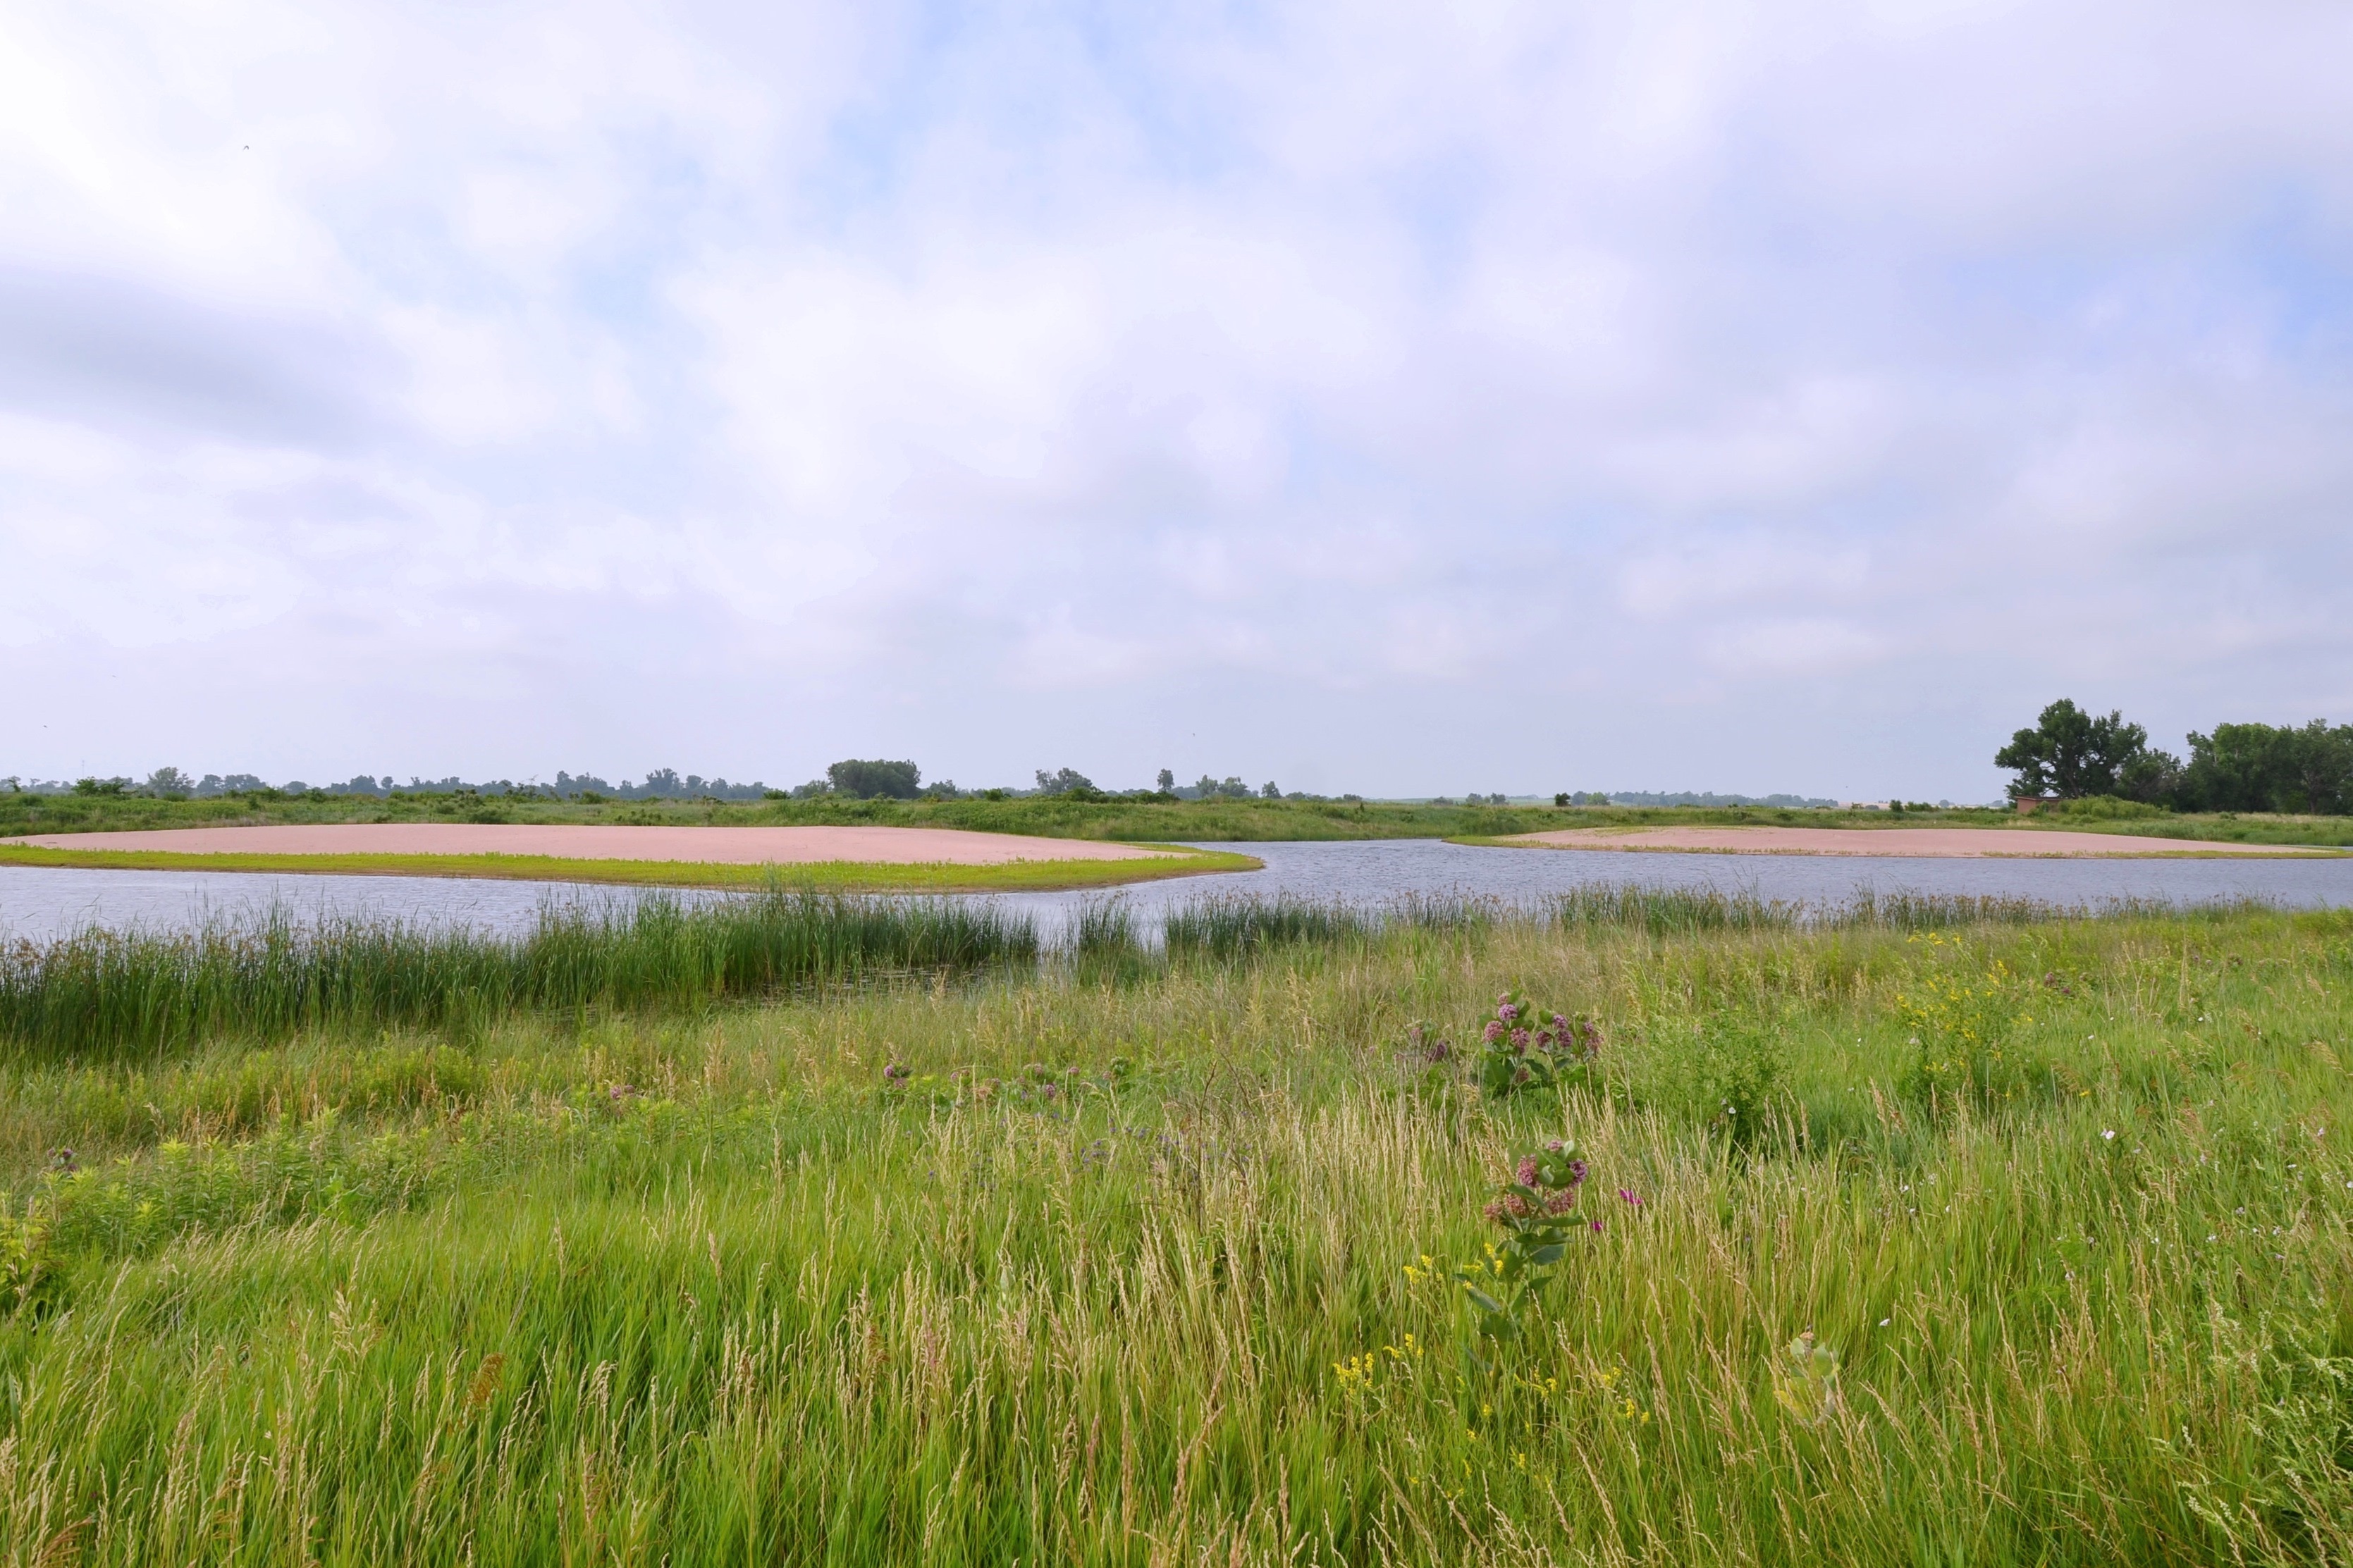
[[596, 841], [1921, 843]]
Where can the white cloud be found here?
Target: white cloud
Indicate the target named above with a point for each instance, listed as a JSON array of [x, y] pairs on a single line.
[[1504, 362]]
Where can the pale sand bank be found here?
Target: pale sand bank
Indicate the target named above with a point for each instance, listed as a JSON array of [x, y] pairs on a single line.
[[589, 841], [1925, 843]]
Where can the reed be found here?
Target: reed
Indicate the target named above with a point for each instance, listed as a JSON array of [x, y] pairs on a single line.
[[1231, 926], [109, 994]]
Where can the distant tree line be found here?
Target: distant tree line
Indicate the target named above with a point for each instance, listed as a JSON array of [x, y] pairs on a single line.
[[2070, 755], [171, 783], [1650, 797], [852, 778]]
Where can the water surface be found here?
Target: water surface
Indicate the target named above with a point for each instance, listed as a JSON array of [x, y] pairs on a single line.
[[38, 903]]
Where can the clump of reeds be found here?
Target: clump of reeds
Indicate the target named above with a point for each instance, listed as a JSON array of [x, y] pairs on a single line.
[[1673, 911], [1231, 926], [106, 994]]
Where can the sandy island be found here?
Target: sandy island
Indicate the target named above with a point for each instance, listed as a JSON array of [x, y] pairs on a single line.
[[589, 841], [1925, 843]]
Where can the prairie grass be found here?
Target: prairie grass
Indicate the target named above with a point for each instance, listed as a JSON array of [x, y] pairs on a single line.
[[1117, 1270]]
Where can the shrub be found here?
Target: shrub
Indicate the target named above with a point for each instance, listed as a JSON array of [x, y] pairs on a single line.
[[1966, 1027], [1735, 1069]]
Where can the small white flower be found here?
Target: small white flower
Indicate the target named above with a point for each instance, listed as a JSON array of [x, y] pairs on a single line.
[[2108, 1132], [1884, 1322]]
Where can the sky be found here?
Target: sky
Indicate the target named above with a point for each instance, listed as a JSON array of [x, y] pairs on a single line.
[[1398, 399]]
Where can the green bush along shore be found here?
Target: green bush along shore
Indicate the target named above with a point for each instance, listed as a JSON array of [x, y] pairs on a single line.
[[1911, 1238]]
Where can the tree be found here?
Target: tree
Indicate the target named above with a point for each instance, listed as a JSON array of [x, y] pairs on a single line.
[[1064, 781], [870, 780], [1166, 780], [1271, 791], [2071, 755], [2258, 767]]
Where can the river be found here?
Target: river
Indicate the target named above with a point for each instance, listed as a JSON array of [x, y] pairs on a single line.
[[40, 903]]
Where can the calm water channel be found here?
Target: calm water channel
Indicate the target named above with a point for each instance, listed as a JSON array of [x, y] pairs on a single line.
[[40, 903]]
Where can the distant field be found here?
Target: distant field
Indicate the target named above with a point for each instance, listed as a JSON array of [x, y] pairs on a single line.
[[1243, 821], [823, 1230]]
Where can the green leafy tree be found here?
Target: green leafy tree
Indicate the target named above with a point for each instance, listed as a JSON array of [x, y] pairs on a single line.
[[870, 780], [2259, 767], [2071, 755]]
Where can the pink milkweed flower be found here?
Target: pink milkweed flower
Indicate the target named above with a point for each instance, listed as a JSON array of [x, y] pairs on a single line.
[[1519, 1039], [1492, 1032], [1561, 1201], [1528, 1170], [1508, 1013]]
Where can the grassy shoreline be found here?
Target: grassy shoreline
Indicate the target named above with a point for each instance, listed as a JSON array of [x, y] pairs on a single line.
[[1113, 1266], [2316, 852], [1240, 821], [838, 876]]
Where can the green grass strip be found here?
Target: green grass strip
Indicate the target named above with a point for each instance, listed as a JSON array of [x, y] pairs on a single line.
[[831, 876], [2223, 850]]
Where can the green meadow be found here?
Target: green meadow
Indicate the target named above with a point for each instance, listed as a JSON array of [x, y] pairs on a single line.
[[820, 1231]]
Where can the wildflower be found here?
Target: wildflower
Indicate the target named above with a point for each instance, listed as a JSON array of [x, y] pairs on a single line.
[[2108, 1133], [1508, 1013], [1577, 1172], [1561, 1201], [894, 1073], [1492, 1032], [1631, 1198], [1519, 1039], [1555, 1146], [1596, 1224], [1527, 1171]]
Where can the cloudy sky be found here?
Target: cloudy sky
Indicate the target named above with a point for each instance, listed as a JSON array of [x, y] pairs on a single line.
[[1400, 399]]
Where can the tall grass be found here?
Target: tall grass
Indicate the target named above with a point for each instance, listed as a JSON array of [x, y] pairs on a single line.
[[1236, 926], [107, 994], [718, 1294]]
